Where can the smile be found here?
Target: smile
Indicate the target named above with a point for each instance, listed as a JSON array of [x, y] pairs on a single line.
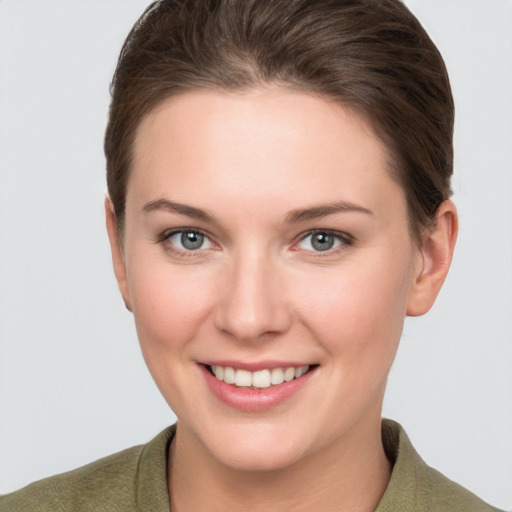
[[259, 379], [256, 387]]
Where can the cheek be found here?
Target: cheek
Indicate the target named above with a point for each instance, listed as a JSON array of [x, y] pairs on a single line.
[[169, 304], [358, 310]]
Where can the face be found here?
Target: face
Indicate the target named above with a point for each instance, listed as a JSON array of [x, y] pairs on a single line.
[[264, 239]]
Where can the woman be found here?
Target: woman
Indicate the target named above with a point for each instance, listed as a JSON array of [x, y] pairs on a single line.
[[278, 179]]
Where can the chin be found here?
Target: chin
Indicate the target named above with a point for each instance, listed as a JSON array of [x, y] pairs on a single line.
[[256, 447], [257, 458]]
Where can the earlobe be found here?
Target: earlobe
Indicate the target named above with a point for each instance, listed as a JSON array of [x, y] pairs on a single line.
[[436, 256], [118, 259]]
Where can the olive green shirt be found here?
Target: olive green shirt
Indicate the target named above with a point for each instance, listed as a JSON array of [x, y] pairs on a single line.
[[136, 480]]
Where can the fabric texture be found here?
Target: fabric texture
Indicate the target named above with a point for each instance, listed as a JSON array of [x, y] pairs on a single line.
[[136, 480]]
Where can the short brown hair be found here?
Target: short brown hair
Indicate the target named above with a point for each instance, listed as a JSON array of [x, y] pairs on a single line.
[[370, 55]]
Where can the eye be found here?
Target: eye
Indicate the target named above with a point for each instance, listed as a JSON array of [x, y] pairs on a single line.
[[187, 240], [321, 241]]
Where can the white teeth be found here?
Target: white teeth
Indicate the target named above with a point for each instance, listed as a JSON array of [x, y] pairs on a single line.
[[277, 376], [289, 374], [229, 375], [260, 378], [299, 372], [243, 378], [219, 372]]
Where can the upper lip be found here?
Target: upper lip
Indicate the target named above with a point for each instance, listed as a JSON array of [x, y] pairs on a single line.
[[254, 366]]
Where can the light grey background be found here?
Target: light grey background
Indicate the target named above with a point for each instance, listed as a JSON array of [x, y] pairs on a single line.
[[73, 385]]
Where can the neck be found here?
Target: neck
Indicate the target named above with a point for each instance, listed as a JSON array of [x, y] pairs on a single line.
[[351, 475]]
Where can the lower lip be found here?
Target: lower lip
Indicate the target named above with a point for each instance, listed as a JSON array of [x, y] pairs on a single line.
[[254, 399]]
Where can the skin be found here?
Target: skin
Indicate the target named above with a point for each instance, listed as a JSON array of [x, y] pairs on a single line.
[[257, 290]]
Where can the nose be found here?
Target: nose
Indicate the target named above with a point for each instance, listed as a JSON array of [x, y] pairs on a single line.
[[252, 303]]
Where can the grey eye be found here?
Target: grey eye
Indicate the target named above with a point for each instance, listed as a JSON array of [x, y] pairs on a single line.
[[191, 240], [187, 240], [320, 241]]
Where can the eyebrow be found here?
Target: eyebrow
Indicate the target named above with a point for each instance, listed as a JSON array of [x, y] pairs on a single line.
[[320, 211], [183, 209], [293, 217]]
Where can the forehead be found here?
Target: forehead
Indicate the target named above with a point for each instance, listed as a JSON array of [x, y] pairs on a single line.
[[265, 143]]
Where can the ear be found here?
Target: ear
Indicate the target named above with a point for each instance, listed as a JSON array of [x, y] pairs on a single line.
[[118, 259], [435, 258]]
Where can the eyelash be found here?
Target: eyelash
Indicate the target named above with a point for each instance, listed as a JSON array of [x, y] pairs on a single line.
[[344, 241], [165, 237]]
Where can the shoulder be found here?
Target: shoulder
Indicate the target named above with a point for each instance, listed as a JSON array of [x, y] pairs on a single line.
[[416, 486], [110, 483], [110, 478], [446, 495]]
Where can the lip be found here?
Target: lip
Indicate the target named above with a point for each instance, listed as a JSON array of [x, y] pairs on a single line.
[[252, 399]]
